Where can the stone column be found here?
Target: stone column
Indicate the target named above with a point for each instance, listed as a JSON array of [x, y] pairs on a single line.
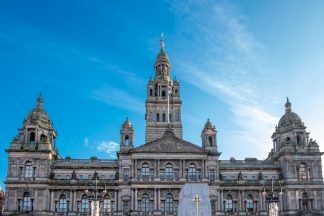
[[221, 200], [132, 199], [159, 199], [158, 169], [263, 202], [52, 201], [281, 201], [135, 167], [136, 200], [202, 169], [74, 204], [206, 169], [242, 201], [180, 169], [218, 202], [184, 168], [155, 200], [260, 201], [71, 201]]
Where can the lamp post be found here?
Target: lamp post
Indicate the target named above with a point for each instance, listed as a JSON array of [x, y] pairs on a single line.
[[272, 202], [95, 197]]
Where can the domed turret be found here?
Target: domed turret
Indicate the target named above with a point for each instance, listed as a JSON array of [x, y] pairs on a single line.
[[127, 124], [126, 135], [208, 136], [37, 131], [209, 125], [38, 115], [289, 120], [290, 131]]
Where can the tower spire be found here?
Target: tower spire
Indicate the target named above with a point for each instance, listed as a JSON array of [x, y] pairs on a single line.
[[40, 100], [288, 105], [162, 44]]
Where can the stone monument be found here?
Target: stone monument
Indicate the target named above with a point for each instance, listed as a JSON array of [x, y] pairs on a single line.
[[194, 200]]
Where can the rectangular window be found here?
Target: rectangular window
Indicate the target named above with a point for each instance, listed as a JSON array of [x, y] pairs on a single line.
[[211, 176], [126, 174], [34, 172]]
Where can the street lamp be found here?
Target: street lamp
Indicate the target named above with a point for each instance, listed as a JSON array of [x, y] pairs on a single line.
[[95, 197], [272, 201]]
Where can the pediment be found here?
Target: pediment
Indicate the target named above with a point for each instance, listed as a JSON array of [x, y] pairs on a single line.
[[169, 143]]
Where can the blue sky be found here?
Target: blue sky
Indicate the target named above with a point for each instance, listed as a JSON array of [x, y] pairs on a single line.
[[236, 61]]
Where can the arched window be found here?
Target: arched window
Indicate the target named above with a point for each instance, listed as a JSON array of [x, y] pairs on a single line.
[[84, 204], [169, 203], [107, 204], [229, 204], [28, 170], [151, 92], [145, 203], [168, 172], [298, 140], [163, 117], [32, 137], [27, 202], [210, 140], [163, 94], [126, 140], [145, 171], [157, 117], [303, 172], [249, 203], [192, 172], [63, 207]]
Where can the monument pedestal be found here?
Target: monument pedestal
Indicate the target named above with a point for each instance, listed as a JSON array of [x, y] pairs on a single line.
[[194, 197]]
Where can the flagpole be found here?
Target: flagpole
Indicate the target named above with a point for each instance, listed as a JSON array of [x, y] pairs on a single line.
[[168, 104]]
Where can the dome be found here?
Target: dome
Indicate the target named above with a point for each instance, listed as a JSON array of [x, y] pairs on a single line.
[[209, 125], [38, 114], [161, 58], [290, 119], [127, 124]]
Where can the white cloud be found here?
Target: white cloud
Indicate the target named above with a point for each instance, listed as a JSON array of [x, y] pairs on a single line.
[[86, 141], [110, 147], [226, 63], [118, 98]]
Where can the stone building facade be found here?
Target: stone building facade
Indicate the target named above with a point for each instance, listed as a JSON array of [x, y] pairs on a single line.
[[2, 196], [147, 179]]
